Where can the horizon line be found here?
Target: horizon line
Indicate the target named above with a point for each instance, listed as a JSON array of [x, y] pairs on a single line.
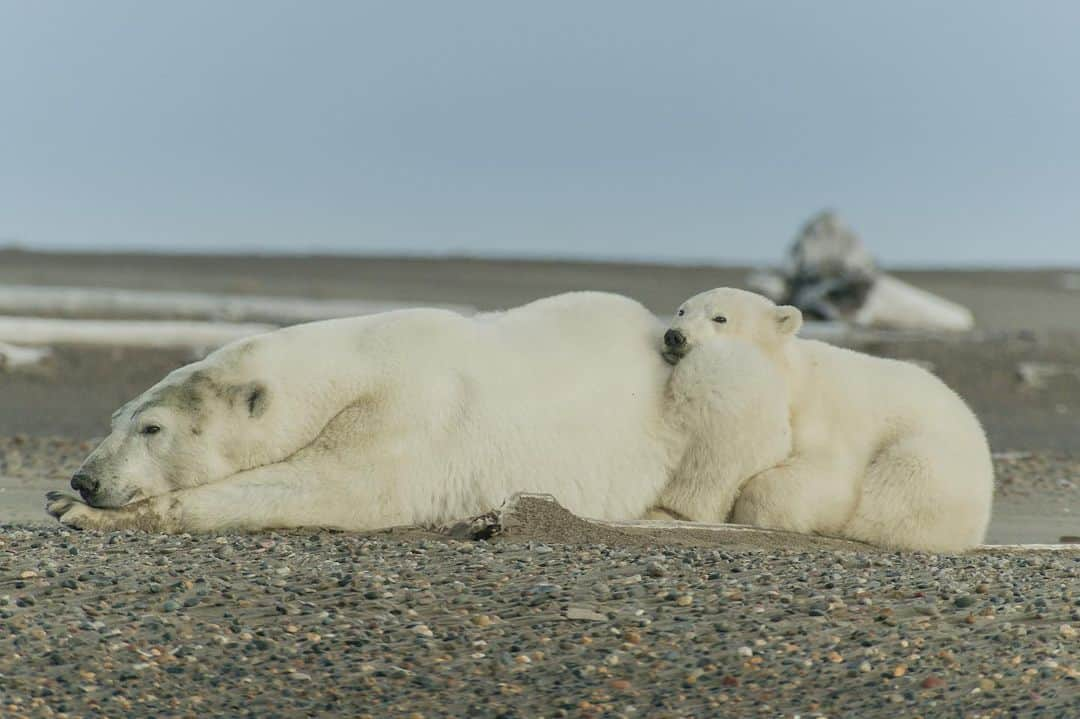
[[526, 257]]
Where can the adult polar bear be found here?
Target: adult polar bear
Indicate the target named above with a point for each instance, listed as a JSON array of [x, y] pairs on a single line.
[[406, 417], [883, 451]]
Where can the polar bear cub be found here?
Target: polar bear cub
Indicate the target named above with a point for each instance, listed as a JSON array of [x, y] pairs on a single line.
[[882, 451], [729, 405]]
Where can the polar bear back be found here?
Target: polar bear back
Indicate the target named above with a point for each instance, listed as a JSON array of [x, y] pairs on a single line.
[[849, 389], [919, 458], [562, 395]]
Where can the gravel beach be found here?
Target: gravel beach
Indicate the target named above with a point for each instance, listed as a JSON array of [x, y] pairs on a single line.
[[408, 624], [552, 616]]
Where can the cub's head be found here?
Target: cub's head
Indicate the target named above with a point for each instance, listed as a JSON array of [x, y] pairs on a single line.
[[727, 312], [191, 428]]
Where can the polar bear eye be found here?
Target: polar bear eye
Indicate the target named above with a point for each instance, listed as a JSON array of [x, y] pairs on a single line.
[[150, 429], [680, 313], [719, 319]]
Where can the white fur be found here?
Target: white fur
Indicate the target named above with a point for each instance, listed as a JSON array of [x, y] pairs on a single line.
[[407, 417], [729, 404], [883, 451]]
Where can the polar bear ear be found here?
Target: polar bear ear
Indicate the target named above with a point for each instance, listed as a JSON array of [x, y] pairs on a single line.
[[252, 396], [788, 320]]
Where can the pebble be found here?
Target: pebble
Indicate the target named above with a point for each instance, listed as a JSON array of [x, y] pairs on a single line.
[[582, 613], [350, 629], [655, 569], [423, 630]]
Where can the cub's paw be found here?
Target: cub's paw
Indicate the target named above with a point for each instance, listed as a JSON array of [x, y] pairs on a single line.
[[69, 510]]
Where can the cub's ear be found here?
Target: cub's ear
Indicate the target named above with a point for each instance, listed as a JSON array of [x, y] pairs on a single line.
[[252, 397], [788, 320]]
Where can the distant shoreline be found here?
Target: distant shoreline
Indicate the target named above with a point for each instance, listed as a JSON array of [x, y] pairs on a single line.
[[1002, 299], [16, 250]]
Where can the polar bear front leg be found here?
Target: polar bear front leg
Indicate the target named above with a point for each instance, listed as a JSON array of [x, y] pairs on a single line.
[[276, 496], [804, 494], [151, 515], [697, 501]]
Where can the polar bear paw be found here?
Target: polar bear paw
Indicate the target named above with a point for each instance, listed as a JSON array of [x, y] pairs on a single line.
[[71, 511]]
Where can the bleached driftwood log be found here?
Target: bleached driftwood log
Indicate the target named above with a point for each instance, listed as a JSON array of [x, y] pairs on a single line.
[[829, 274], [895, 304], [532, 515]]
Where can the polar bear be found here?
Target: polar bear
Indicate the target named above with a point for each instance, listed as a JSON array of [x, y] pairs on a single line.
[[407, 417], [729, 404], [883, 451]]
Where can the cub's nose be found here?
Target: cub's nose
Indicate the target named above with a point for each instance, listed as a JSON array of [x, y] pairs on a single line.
[[84, 484], [674, 339]]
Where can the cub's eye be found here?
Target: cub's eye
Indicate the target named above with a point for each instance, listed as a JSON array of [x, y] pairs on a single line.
[[150, 429], [719, 319], [680, 313]]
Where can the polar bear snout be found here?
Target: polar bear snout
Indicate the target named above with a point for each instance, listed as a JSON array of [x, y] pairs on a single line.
[[86, 485], [674, 339], [675, 346], [105, 478], [97, 489]]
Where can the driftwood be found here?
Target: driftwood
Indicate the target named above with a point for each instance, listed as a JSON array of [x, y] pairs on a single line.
[[540, 517], [830, 275]]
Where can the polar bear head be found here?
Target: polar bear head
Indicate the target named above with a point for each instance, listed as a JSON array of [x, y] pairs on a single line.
[[198, 425], [728, 312]]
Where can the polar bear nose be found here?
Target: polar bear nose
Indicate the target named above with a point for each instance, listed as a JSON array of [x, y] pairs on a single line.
[[84, 484], [674, 339]]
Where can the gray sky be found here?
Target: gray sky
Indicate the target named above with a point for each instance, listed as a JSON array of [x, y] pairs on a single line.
[[946, 132]]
